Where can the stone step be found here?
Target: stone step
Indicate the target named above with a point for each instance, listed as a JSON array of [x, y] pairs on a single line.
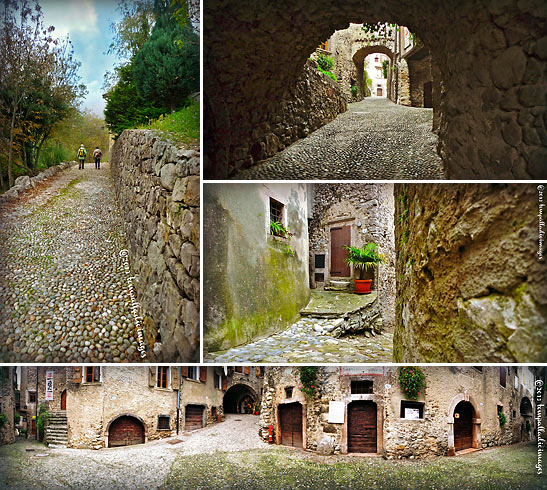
[[56, 446]]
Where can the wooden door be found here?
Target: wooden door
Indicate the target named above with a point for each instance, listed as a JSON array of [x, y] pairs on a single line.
[[33, 427], [290, 421], [380, 92], [63, 400], [463, 426], [193, 418], [339, 236], [125, 431], [362, 427]]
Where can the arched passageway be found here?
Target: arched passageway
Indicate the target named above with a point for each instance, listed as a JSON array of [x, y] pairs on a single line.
[[490, 58], [239, 398], [359, 60], [126, 430], [527, 417]]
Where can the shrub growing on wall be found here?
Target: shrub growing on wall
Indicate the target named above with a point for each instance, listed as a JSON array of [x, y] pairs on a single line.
[[308, 380], [503, 419], [411, 381], [43, 415]]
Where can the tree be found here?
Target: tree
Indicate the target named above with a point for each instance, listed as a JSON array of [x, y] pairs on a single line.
[[166, 69], [125, 108]]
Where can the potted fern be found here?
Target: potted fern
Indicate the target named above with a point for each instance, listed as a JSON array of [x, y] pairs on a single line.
[[365, 259]]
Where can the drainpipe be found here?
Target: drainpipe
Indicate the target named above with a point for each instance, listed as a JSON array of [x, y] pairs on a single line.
[[178, 399], [36, 406]]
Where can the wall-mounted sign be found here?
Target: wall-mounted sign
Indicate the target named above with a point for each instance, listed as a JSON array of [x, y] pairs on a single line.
[[49, 385], [408, 39], [412, 413], [361, 370], [336, 412]]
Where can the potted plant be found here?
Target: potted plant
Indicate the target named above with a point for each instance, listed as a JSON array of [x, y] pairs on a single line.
[[365, 259]]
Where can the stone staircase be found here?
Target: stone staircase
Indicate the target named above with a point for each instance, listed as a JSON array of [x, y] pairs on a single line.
[[56, 433]]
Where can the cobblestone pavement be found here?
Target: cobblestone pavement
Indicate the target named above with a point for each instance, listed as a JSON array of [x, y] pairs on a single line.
[[374, 140], [144, 466], [304, 342], [63, 289]]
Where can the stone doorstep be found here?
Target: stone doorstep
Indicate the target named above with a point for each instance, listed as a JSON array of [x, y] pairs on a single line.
[[315, 310], [467, 451]]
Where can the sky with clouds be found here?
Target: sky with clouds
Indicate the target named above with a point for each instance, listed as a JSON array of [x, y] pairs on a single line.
[[87, 22]]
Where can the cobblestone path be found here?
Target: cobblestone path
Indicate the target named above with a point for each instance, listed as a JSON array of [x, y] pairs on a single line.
[[374, 140], [303, 342], [63, 292]]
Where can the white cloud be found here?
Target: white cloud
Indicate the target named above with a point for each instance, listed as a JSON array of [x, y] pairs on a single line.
[[72, 17]]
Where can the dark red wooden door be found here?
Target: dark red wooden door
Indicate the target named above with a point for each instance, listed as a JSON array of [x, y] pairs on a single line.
[[63, 400], [125, 431], [339, 237], [463, 426], [362, 427], [193, 418], [290, 421]]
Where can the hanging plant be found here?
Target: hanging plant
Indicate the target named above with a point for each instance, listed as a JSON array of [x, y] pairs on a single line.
[[411, 381], [503, 419], [308, 380]]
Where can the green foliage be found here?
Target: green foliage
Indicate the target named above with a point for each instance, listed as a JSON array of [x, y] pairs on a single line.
[[43, 415], [502, 418], [411, 381], [287, 250], [277, 229], [184, 123], [379, 29], [385, 66], [328, 73], [354, 90], [367, 80], [3, 419], [324, 62], [125, 108], [17, 418], [366, 258], [308, 379], [23, 431], [166, 69]]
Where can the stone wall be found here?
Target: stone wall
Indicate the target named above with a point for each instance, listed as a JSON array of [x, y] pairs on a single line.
[[400, 437], [369, 210], [470, 285], [491, 57], [157, 186], [312, 102], [254, 283], [420, 73], [7, 405]]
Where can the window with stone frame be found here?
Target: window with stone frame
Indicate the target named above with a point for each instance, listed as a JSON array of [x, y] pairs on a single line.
[[276, 211], [164, 422], [361, 387], [92, 374], [162, 377], [503, 376], [238, 369], [288, 392], [32, 397], [218, 380], [193, 372], [412, 410]]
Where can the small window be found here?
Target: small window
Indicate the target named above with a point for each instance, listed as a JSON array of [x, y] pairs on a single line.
[[193, 372], [361, 387], [262, 371], [163, 422], [514, 413], [218, 381], [162, 377], [92, 374], [288, 392], [478, 368], [503, 376], [323, 46], [319, 261], [500, 409], [412, 410], [214, 413], [276, 211], [238, 369], [319, 277], [32, 397]]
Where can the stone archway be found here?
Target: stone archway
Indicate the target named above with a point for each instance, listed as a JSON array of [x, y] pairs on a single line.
[[490, 56], [527, 418], [359, 62], [471, 428], [236, 398], [125, 430]]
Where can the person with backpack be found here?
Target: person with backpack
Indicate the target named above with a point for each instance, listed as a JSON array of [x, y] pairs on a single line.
[[97, 154], [81, 156]]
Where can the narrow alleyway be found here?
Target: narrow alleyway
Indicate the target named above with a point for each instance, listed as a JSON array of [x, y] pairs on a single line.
[[375, 139], [63, 290]]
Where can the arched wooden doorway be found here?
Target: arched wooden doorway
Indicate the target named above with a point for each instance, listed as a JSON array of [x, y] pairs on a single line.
[[63, 400], [125, 431], [290, 424], [463, 426], [362, 427]]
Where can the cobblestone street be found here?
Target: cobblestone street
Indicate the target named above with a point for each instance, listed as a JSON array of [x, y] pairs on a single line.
[[375, 139], [63, 290], [303, 342]]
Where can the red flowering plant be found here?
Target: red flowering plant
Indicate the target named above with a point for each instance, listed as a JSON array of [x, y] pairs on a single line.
[[308, 380], [411, 381]]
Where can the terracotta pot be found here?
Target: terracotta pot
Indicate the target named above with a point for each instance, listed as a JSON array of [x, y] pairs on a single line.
[[362, 286]]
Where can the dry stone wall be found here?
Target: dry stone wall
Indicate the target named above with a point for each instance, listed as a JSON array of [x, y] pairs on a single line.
[[491, 57], [7, 406], [157, 186], [470, 283]]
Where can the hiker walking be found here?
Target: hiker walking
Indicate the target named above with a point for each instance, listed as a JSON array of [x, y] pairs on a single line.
[[81, 156], [97, 154]]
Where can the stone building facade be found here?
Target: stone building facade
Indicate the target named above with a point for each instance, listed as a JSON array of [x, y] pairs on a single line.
[[363, 410], [110, 406], [7, 405]]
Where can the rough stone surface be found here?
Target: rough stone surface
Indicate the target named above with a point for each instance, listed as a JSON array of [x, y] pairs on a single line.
[[471, 285], [374, 139], [258, 55], [157, 185]]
